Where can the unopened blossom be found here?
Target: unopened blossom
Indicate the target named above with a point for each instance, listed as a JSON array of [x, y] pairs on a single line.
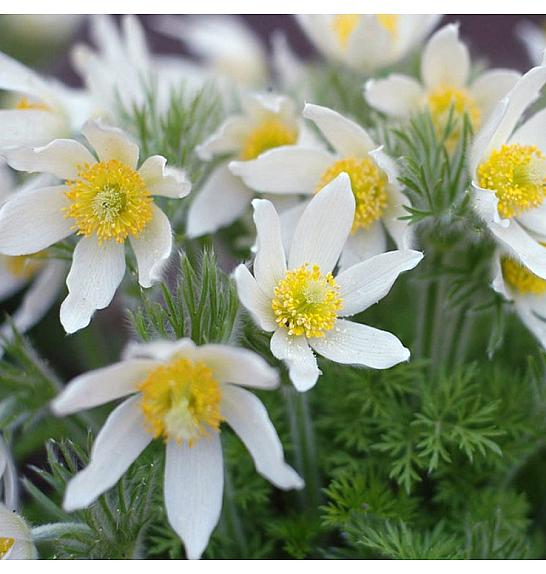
[[15, 537], [366, 42], [107, 201], [178, 393], [298, 298], [305, 170], [508, 170], [445, 87]]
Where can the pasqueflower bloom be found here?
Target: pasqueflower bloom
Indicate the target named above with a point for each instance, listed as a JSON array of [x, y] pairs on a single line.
[[508, 169], [15, 537], [303, 304], [300, 169], [267, 121], [445, 85], [106, 201], [180, 393], [366, 42]]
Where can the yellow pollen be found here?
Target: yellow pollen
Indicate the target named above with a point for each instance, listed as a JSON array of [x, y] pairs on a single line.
[[25, 266], [441, 100], [109, 199], [26, 104], [306, 302], [517, 175], [5, 546], [345, 24], [181, 401], [369, 185], [521, 279], [270, 133]]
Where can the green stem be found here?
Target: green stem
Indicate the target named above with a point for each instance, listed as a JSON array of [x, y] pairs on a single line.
[[232, 521]]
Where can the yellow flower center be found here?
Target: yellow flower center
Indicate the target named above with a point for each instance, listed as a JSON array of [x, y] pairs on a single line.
[[5, 546], [520, 278], [270, 133], [181, 401], [26, 104], [306, 302], [442, 99], [109, 199], [517, 175], [369, 185], [25, 266], [345, 24]]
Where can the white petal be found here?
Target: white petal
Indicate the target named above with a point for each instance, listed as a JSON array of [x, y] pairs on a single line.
[[393, 219], [534, 39], [238, 366], [345, 136], [324, 226], [396, 95], [16, 77], [295, 351], [96, 272], [362, 245], [34, 220], [446, 61], [270, 261], [122, 438], [368, 282], [29, 127], [254, 299], [8, 475], [533, 316], [152, 248], [260, 105], [532, 132], [102, 385], [379, 44], [163, 180], [498, 283], [111, 143], [227, 139], [289, 221], [351, 343], [158, 350], [12, 525], [247, 416], [286, 169], [194, 485], [491, 86], [222, 200], [61, 158]]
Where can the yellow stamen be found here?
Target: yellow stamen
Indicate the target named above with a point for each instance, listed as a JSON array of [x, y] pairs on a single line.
[[369, 185], [25, 266], [444, 98], [306, 302], [181, 401], [517, 175], [270, 133], [109, 199], [522, 279], [26, 104], [345, 24], [5, 546]]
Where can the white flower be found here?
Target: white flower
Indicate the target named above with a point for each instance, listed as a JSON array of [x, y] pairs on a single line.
[[299, 300], [227, 48], [445, 75], [15, 537], [106, 201], [508, 170], [304, 170], [267, 121], [45, 109], [180, 393], [366, 42], [533, 37], [8, 477]]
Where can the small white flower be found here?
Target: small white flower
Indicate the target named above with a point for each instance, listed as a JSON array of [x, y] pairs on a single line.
[[267, 121], [306, 170], [227, 48], [15, 537], [445, 75], [8, 478], [508, 170], [533, 37], [107, 201], [366, 42], [298, 299], [180, 393]]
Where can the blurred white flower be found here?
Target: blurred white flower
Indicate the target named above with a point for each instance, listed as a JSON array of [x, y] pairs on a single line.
[[303, 304], [445, 75], [180, 393], [301, 169], [533, 37], [107, 201], [508, 170], [15, 537], [366, 42]]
